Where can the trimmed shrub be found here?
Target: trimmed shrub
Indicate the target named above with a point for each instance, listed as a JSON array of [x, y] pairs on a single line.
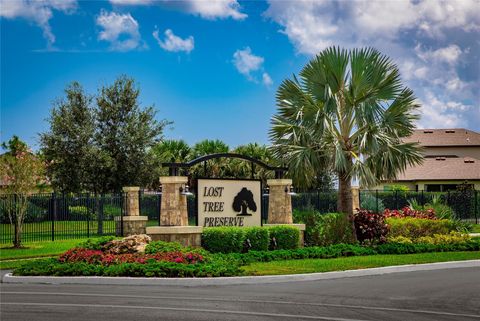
[[284, 237], [370, 227], [257, 238], [81, 212], [418, 227], [400, 240], [409, 212], [452, 238], [223, 239]]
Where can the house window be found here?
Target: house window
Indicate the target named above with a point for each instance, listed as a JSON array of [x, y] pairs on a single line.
[[433, 187]]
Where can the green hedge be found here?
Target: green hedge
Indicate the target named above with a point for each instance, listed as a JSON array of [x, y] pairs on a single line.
[[238, 239], [223, 239], [284, 237], [257, 239], [417, 227]]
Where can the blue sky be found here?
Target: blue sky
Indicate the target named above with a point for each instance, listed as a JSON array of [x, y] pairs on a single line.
[[212, 67]]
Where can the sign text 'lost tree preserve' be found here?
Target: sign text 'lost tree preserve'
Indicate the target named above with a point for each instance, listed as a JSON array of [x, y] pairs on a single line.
[[229, 202]]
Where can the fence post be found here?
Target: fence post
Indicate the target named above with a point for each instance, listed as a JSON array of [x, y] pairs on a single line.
[[15, 220], [54, 213], [100, 213], [88, 215]]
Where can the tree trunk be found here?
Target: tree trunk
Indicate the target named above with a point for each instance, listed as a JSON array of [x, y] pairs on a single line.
[[17, 242], [345, 201]]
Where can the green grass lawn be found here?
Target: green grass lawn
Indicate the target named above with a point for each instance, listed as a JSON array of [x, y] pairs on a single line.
[[475, 228], [353, 263]]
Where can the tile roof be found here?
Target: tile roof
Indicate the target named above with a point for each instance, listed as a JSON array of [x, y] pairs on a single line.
[[445, 137], [443, 168]]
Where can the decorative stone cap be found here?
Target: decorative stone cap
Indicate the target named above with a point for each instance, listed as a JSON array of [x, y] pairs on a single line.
[[174, 229], [135, 218], [279, 182], [127, 189], [301, 227], [173, 179]]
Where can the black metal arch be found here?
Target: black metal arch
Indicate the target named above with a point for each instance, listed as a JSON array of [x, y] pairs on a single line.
[[174, 167]]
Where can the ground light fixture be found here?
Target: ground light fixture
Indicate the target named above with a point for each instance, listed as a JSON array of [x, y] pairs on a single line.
[[290, 190], [185, 190], [266, 191]]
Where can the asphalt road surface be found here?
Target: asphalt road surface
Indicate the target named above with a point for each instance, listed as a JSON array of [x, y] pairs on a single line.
[[452, 294]]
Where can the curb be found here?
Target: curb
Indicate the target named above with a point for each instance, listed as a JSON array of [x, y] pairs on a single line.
[[189, 282]]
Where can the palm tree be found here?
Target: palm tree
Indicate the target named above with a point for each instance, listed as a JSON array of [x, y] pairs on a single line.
[[242, 169], [172, 151], [348, 112], [207, 147]]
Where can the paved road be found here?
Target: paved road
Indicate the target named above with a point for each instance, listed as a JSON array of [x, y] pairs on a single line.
[[452, 294]]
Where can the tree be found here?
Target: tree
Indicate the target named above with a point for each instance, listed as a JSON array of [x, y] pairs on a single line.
[[347, 112], [216, 167], [170, 151], [125, 134], [22, 172], [243, 169], [243, 201], [68, 147]]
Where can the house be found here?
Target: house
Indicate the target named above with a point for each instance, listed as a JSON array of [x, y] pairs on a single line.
[[452, 157]]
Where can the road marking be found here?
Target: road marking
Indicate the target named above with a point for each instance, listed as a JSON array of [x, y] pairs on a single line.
[[103, 306], [331, 305]]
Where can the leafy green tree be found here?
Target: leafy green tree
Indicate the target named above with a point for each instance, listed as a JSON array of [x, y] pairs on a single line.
[[346, 112], [22, 172], [68, 147], [215, 167], [125, 135]]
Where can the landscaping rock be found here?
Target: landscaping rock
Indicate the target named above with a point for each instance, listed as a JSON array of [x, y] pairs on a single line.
[[129, 244]]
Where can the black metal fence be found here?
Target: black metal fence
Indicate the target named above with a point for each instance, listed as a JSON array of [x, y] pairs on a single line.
[[51, 217], [464, 204]]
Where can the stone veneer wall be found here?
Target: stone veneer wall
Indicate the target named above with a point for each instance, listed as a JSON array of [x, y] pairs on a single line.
[[174, 205], [279, 202]]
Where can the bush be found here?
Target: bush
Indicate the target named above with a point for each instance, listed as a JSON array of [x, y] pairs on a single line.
[[257, 238], [418, 227], [400, 240], [162, 247], [110, 211], [370, 227], [223, 239], [325, 229], [81, 212], [452, 238], [412, 213], [371, 203], [284, 237], [96, 244]]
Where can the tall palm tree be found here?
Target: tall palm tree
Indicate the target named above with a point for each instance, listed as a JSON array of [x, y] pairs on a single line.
[[347, 111], [206, 147], [173, 151], [242, 169]]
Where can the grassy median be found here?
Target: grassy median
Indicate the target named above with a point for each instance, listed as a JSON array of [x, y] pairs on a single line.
[[353, 263]]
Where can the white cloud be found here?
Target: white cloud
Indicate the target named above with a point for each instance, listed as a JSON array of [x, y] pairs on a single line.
[[39, 12], [438, 113], [266, 79], [121, 30], [173, 42], [207, 9], [246, 62], [449, 54], [214, 9], [251, 66]]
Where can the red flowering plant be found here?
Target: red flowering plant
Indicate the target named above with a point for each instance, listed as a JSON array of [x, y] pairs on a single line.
[[409, 212], [370, 227], [99, 257]]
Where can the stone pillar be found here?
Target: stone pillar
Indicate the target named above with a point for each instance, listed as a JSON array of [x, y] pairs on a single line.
[[131, 223], [279, 202], [173, 210], [355, 197], [174, 215], [132, 201]]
